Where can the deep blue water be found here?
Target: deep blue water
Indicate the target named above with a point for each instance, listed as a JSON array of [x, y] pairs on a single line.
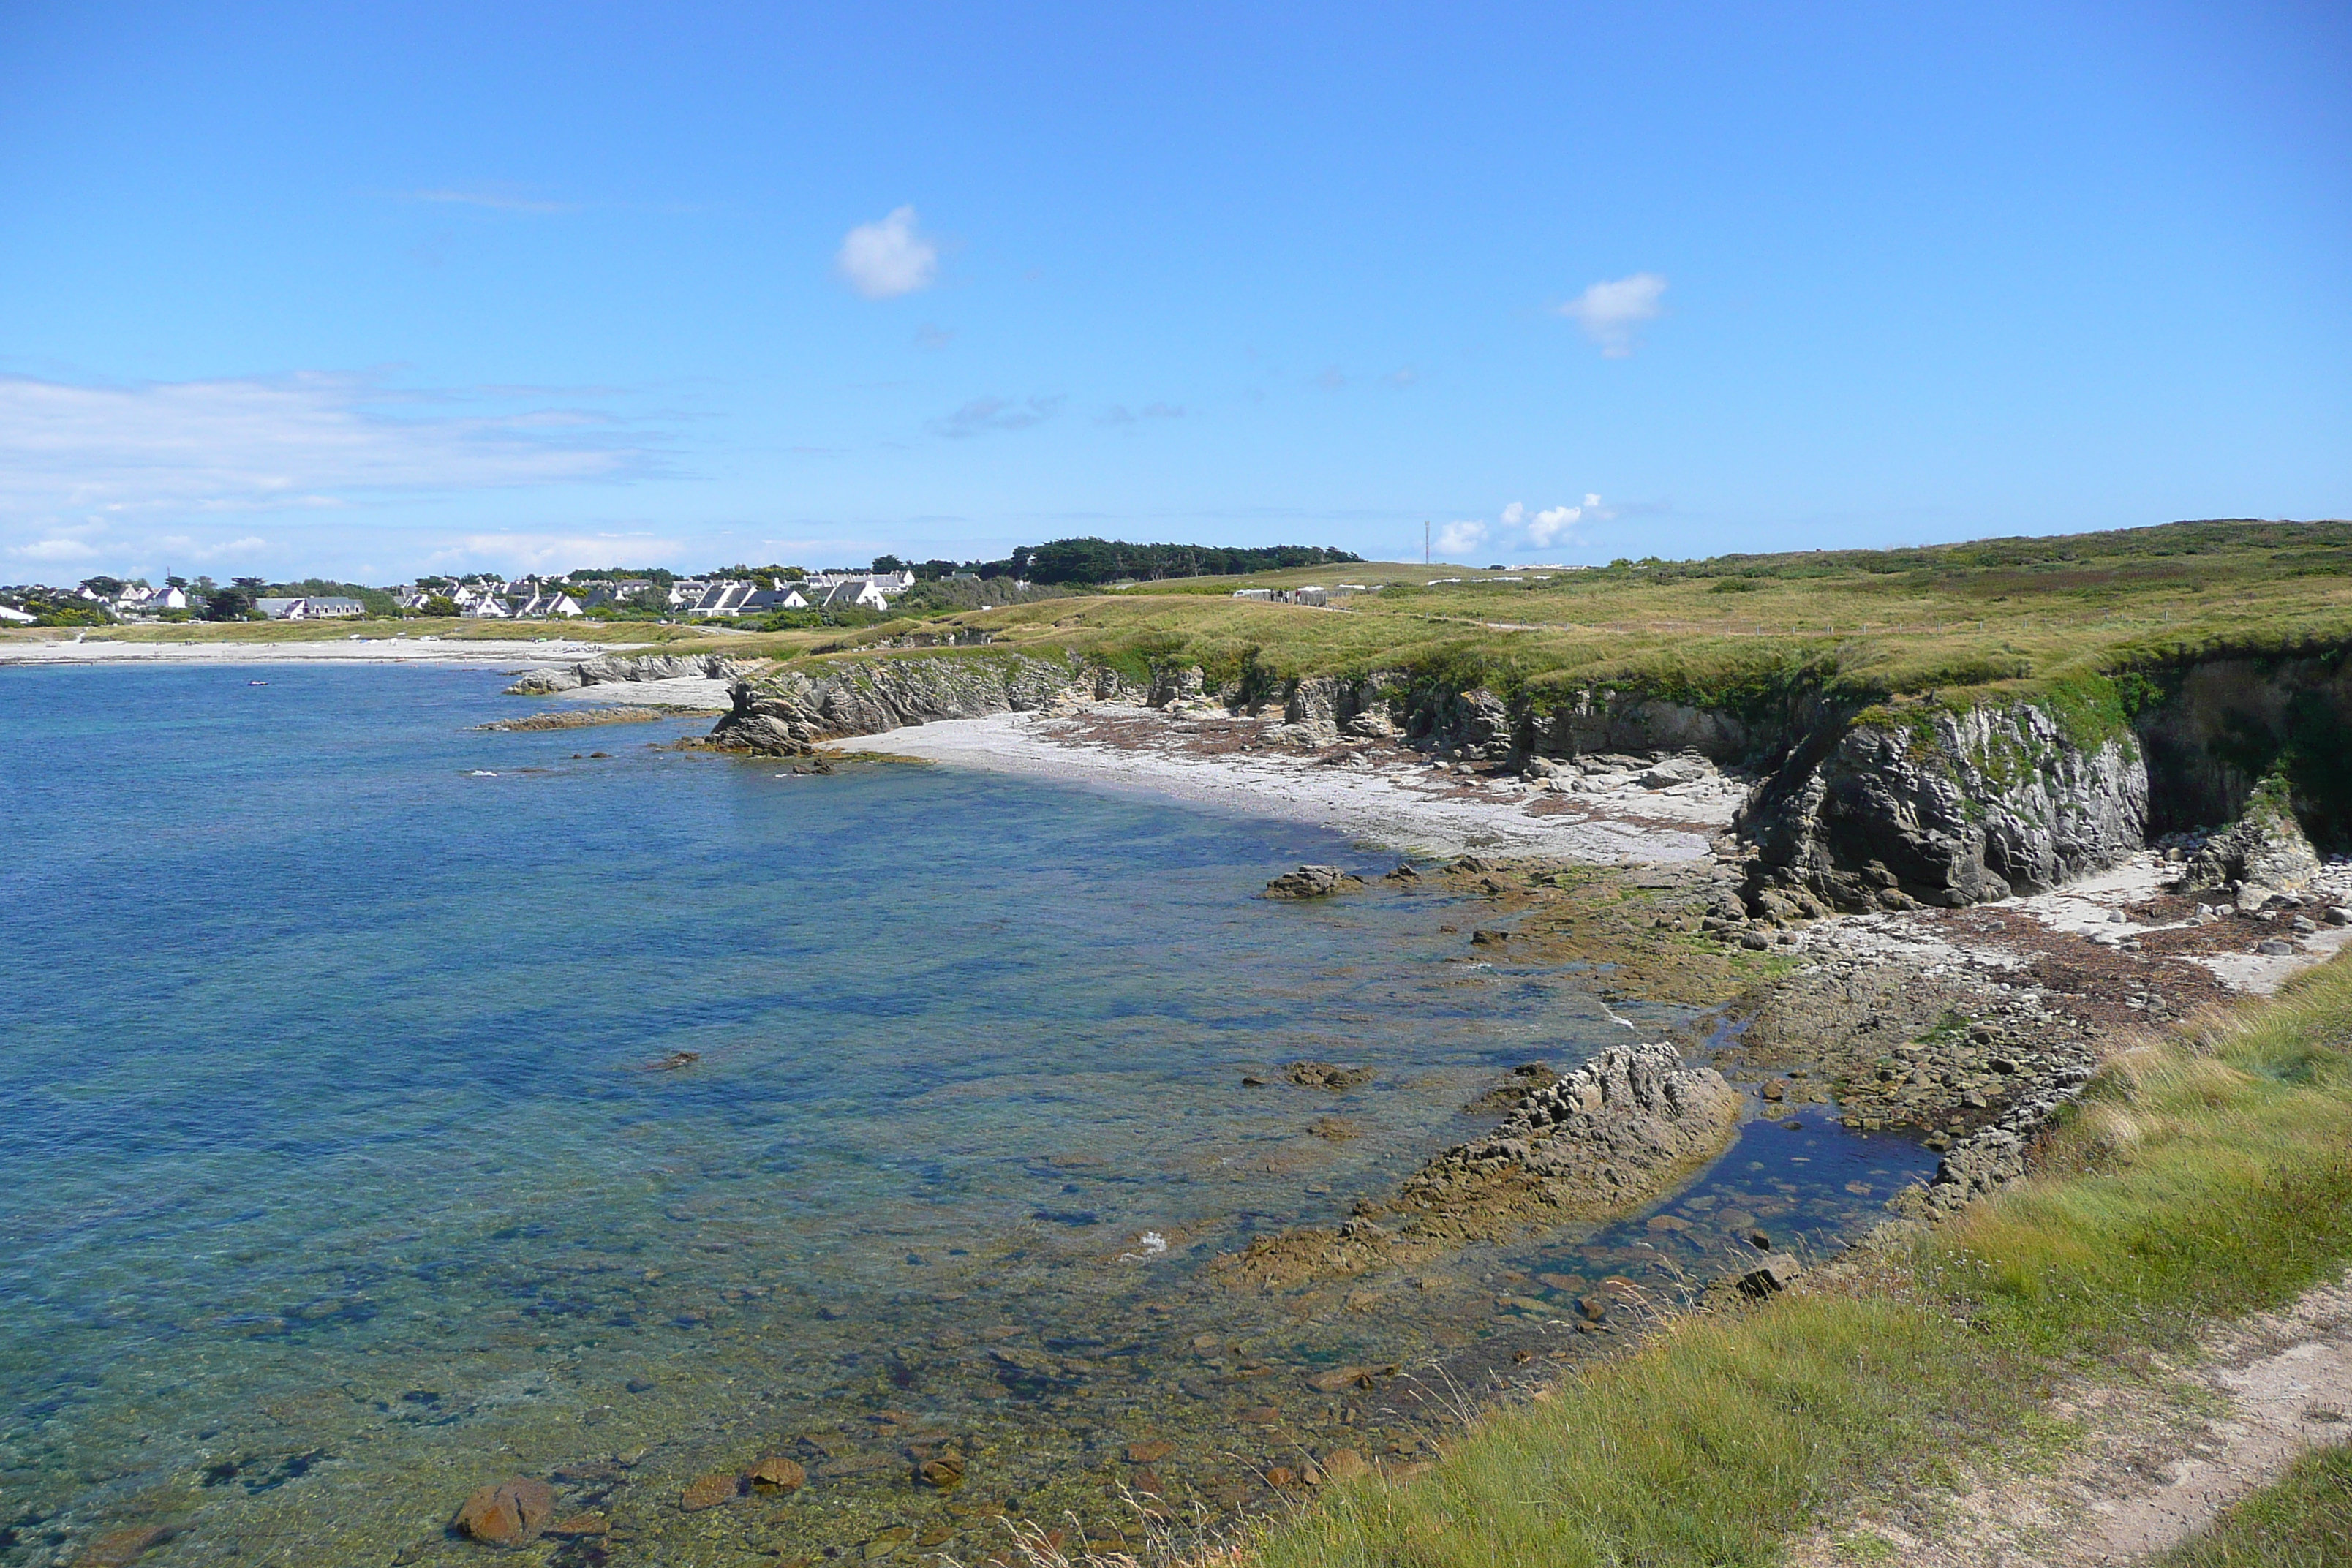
[[329, 1152]]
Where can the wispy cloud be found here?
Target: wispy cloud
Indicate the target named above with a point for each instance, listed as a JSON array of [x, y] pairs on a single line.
[[985, 416], [885, 259], [1608, 312], [1119, 413], [80, 458], [1332, 378], [928, 336], [497, 198]]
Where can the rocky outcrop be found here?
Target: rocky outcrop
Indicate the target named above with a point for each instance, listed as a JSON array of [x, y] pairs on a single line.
[[1598, 1141], [622, 668], [2262, 855], [794, 709], [1312, 882], [1943, 807], [1611, 1135]]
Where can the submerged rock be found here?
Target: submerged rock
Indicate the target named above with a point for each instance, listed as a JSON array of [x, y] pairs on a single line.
[[1326, 1074], [512, 1512], [121, 1547], [776, 1473], [708, 1491]]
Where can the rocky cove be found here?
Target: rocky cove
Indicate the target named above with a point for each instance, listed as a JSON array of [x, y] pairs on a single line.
[[1784, 1077]]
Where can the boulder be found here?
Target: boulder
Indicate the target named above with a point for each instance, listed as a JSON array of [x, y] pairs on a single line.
[[776, 1474], [2262, 855], [1312, 882], [512, 1512], [1771, 1277]]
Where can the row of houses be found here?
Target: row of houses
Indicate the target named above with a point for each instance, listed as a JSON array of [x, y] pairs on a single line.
[[529, 599]]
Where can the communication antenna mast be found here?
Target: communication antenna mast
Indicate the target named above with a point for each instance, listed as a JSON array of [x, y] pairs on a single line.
[[1425, 541]]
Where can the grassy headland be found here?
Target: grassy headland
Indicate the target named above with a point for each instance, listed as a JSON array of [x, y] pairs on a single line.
[[2203, 1175], [2024, 614]]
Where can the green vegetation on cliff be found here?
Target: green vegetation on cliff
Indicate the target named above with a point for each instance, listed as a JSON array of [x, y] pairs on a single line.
[[2203, 1177]]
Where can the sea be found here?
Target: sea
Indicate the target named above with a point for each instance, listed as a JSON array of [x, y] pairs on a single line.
[[389, 1106]]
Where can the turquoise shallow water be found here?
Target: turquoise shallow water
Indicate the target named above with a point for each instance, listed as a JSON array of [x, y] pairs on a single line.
[[333, 1180]]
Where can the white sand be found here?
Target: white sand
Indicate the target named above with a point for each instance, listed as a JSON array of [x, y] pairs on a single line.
[[1394, 808]]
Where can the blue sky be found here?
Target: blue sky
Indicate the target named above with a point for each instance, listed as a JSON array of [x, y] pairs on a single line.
[[374, 290]]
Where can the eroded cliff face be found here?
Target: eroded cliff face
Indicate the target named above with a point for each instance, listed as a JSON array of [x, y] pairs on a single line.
[[790, 712], [1948, 808]]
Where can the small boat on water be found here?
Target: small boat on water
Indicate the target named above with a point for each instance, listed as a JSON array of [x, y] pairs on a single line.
[[257, 683]]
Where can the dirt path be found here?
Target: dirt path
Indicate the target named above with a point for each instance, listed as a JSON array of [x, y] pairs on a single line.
[[2151, 1464]]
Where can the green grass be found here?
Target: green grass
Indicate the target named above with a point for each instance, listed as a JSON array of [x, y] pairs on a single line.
[[2304, 1520], [2205, 1176]]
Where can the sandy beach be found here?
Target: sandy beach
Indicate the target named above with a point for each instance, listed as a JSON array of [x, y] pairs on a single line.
[[1380, 792]]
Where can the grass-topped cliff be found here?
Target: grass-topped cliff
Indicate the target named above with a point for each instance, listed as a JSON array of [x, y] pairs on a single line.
[[2026, 615]]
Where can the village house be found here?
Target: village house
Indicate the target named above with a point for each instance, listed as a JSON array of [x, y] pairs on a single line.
[[322, 607]]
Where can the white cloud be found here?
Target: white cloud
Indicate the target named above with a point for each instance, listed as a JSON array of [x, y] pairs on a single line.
[[53, 549], [1552, 522], [1461, 537], [1610, 311], [883, 261]]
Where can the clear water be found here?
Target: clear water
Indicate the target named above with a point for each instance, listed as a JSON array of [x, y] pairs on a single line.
[[337, 1177]]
